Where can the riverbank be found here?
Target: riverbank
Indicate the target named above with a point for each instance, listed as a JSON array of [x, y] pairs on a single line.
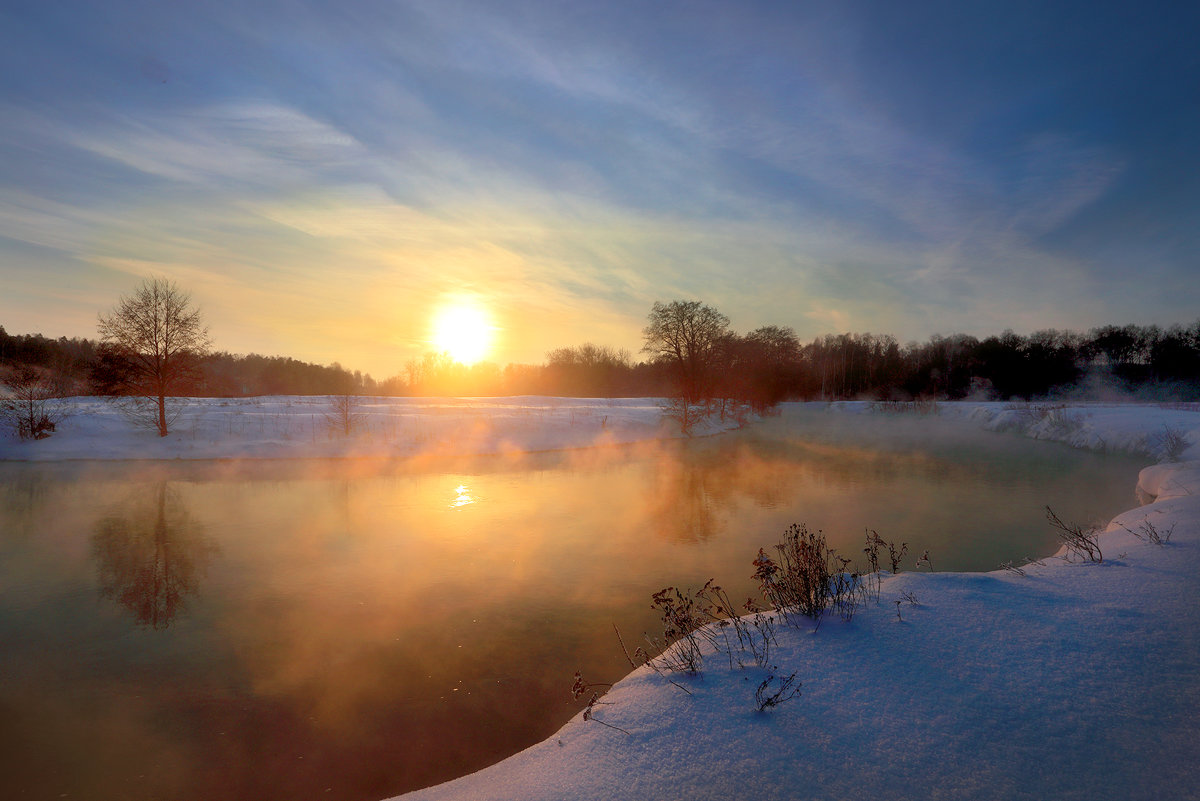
[[1063, 679], [315, 427]]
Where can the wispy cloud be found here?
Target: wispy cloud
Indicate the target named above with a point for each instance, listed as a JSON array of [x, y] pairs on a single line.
[[253, 145], [575, 162]]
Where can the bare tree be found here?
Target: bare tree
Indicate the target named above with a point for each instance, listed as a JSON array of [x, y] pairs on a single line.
[[31, 402], [688, 334], [344, 414], [158, 337]]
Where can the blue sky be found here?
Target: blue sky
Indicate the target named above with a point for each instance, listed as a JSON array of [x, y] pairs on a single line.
[[323, 177]]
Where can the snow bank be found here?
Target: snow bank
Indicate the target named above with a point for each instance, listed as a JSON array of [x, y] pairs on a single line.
[[294, 427], [286, 427], [1156, 430], [1067, 680]]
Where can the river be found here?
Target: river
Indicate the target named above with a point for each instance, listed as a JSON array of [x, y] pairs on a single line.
[[354, 629]]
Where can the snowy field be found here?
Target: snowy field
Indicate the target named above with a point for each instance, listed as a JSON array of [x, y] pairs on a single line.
[[297, 427], [294, 427], [1065, 679]]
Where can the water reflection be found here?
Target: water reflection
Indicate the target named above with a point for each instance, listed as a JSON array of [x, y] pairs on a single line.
[[686, 500], [150, 555], [372, 627], [462, 497], [698, 492], [23, 496]]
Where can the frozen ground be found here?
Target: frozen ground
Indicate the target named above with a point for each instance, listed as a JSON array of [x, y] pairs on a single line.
[[1073, 680], [290, 427]]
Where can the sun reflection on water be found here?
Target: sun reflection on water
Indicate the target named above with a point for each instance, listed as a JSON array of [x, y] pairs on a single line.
[[463, 497]]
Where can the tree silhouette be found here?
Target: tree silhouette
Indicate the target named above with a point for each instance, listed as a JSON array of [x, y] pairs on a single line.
[[156, 338], [587, 371], [688, 335]]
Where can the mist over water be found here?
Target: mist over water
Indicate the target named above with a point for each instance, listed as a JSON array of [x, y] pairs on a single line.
[[274, 629]]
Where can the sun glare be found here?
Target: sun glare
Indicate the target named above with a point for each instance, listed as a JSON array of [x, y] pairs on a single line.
[[463, 331]]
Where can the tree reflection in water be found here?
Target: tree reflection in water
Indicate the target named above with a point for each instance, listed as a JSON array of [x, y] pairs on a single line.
[[150, 556], [693, 496]]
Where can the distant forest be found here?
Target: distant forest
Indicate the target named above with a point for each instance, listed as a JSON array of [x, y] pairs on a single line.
[[763, 367]]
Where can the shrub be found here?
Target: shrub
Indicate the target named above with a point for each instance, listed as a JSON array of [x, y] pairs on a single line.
[[31, 403], [581, 688], [1172, 444], [1079, 540], [343, 415], [800, 580], [920, 407], [755, 634], [682, 620], [786, 689], [686, 414], [875, 543], [1148, 532]]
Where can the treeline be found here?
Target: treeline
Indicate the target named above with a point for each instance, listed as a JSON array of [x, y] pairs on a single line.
[[84, 367], [587, 371], [762, 367], [708, 361], [1134, 360], [71, 361]]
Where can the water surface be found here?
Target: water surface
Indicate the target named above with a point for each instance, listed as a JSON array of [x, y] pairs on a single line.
[[354, 629]]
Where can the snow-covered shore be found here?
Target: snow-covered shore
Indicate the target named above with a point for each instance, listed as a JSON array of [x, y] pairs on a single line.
[[1071, 680], [297, 427]]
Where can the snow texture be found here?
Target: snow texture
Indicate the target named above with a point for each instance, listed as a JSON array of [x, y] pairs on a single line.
[[290, 427]]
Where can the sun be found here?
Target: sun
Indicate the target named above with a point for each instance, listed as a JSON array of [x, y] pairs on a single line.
[[464, 331]]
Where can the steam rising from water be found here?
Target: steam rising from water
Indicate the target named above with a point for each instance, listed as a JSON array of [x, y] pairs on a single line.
[[360, 611]]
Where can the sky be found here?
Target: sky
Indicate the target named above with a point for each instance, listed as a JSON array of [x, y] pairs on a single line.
[[326, 179]]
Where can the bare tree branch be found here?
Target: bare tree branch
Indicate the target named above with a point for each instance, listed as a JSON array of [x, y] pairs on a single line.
[[157, 337]]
